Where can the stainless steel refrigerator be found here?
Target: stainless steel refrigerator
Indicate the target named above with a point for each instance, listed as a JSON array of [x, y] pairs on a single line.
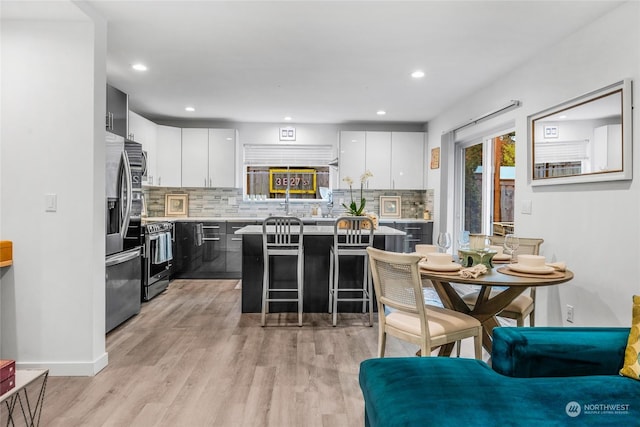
[[123, 231]]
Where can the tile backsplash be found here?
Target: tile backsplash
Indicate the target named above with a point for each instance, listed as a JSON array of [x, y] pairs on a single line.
[[229, 202]]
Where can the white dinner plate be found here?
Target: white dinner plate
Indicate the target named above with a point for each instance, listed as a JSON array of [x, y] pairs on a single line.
[[502, 257], [440, 267], [545, 269]]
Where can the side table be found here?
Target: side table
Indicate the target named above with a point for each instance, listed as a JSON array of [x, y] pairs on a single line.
[[31, 411]]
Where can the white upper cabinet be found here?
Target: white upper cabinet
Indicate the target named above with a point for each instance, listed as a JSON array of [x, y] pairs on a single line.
[[169, 155], [222, 158], [146, 133], [208, 157], [396, 159], [377, 159], [407, 160], [351, 162], [195, 149]]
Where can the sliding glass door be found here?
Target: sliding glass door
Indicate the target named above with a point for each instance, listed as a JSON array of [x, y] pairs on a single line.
[[474, 190], [484, 185]]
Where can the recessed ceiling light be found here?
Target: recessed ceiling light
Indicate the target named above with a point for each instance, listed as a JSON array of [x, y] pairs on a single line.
[[564, 116], [381, 112], [139, 67], [418, 74], [288, 118], [190, 109]]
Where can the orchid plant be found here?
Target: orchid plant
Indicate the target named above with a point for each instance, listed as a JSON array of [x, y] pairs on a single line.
[[354, 208]]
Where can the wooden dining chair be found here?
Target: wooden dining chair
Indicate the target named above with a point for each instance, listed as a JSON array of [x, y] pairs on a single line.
[[402, 312], [523, 305]]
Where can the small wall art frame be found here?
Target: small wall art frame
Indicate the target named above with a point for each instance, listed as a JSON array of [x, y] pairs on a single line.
[[176, 204], [287, 134], [390, 206]]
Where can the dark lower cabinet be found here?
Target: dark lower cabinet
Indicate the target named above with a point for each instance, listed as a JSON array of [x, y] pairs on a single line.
[[234, 246], [188, 251], [214, 243], [234, 254], [208, 250], [418, 232]]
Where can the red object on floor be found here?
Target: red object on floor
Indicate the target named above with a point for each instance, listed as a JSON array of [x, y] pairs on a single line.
[[7, 369], [7, 384]]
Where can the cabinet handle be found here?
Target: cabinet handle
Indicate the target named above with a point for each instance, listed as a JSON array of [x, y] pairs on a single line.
[[211, 238], [412, 228], [159, 180], [205, 182], [108, 120], [235, 239], [235, 227], [211, 227]]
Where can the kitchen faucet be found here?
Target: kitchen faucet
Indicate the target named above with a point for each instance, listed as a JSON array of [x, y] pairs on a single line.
[[286, 202]]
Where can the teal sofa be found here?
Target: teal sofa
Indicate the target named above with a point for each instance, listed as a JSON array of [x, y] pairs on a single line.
[[540, 377]]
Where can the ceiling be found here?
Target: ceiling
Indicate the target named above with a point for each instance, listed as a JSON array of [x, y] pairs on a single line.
[[323, 61]]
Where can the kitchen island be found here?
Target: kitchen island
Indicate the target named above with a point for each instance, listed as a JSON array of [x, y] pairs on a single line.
[[317, 242]]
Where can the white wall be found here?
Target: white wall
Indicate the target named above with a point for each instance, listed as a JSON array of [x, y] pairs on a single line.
[[52, 141], [593, 227]]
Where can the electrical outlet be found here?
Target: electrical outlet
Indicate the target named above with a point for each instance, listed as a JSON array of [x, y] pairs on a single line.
[[569, 313]]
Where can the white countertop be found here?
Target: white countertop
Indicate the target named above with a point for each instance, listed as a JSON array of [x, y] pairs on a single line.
[[322, 230], [249, 219]]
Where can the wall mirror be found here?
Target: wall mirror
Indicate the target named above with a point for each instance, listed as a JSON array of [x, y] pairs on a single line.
[[586, 139]]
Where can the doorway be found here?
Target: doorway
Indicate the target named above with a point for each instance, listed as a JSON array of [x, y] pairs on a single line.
[[485, 184]]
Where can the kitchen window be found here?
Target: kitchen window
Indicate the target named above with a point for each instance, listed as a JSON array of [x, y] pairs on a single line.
[[273, 182], [273, 171]]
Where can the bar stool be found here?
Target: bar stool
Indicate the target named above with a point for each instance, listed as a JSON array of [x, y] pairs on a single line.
[[352, 235], [282, 236]]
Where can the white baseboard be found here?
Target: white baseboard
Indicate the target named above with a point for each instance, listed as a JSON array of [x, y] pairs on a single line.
[[69, 369]]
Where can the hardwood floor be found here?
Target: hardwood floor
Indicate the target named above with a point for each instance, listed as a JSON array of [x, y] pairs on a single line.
[[190, 358]]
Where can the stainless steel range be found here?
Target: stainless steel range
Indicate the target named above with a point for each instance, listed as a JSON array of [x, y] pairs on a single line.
[[158, 257]]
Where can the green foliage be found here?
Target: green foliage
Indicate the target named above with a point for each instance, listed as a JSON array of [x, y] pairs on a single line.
[[508, 155], [353, 208]]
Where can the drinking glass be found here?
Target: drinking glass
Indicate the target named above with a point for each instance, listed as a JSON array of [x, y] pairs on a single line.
[[444, 242], [463, 239], [511, 245]]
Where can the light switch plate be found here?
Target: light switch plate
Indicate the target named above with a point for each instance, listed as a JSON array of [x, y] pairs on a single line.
[[526, 207], [50, 202]]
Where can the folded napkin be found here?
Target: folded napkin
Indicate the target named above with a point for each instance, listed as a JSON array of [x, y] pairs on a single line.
[[558, 266], [473, 272]]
